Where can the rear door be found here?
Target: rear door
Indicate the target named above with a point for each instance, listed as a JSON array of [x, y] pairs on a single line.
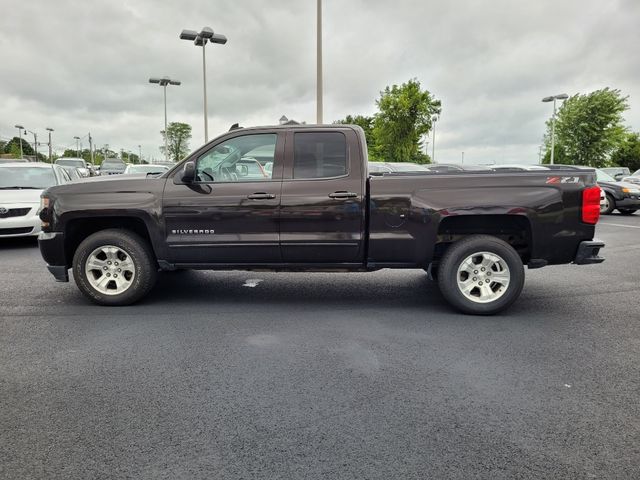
[[322, 209]]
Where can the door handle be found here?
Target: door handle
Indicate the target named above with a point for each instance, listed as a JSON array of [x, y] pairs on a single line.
[[339, 195], [261, 196]]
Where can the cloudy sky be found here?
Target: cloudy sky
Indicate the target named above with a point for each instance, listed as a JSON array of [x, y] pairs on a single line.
[[83, 66]]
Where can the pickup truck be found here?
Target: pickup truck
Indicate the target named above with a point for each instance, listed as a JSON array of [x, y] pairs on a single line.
[[318, 209]]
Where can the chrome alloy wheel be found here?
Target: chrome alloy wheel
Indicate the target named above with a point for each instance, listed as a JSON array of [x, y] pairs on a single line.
[[604, 206], [110, 270], [483, 277]]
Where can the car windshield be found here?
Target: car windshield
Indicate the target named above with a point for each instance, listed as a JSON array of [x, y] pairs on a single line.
[[113, 161], [603, 176], [26, 177], [70, 162]]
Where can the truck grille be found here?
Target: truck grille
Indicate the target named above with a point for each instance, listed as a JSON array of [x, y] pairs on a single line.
[[15, 231], [14, 212]]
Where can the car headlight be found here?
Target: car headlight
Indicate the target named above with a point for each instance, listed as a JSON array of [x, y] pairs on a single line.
[[631, 191], [43, 211]]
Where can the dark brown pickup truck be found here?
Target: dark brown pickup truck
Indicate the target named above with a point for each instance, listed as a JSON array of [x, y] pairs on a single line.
[[300, 198]]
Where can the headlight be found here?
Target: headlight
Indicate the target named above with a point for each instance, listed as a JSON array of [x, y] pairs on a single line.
[[43, 212], [632, 191]]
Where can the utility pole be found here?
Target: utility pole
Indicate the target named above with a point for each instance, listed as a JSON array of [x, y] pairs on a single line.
[[319, 65], [462, 158], [433, 145], [77, 139], [50, 156], [91, 147], [139, 153]]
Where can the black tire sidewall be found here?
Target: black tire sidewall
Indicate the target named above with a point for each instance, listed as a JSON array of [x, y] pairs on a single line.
[[456, 253], [626, 211], [140, 254]]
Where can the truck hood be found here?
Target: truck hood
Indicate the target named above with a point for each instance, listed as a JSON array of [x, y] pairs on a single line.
[[8, 197], [108, 184]]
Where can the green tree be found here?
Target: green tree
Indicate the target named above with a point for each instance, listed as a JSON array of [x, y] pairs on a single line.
[[628, 153], [405, 115], [588, 128], [13, 147], [177, 135], [366, 123]]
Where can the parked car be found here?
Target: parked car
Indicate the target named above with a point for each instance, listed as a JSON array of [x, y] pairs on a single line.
[[397, 167], [112, 166], [320, 211], [73, 172], [21, 184], [617, 172], [516, 167], [145, 168], [633, 178], [78, 163]]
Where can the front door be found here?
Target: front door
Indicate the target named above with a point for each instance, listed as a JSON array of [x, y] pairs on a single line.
[[230, 213]]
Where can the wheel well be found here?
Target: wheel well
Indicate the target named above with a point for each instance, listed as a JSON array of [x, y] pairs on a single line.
[[78, 229], [513, 229]]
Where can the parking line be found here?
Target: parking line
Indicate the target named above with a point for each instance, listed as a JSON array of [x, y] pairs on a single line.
[[617, 225]]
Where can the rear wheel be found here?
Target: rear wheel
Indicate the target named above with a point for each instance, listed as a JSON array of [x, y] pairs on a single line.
[[608, 206], [114, 267], [626, 211], [481, 275]]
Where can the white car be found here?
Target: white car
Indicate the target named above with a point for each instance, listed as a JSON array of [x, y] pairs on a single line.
[[20, 187]]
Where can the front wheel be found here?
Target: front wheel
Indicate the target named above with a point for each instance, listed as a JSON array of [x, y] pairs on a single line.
[[626, 211], [481, 275], [608, 206], [114, 267]]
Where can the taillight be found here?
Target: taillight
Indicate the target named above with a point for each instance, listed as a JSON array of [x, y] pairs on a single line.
[[591, 205]]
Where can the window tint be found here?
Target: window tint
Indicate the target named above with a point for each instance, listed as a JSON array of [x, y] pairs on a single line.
[[239, 159], [319, 155]]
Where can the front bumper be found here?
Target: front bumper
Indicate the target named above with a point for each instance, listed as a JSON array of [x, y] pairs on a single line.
[[632, 202], [52, 249], [588, 252], [20, 226]]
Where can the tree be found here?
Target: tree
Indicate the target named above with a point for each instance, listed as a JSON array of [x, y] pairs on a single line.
[[405, 115], [13, 147], [628, 154], [366, 123], [588, 128], [177, 136]]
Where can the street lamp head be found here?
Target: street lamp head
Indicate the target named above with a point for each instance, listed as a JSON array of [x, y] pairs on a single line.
[[174, 82], [50, 129], [76, 138], [188, 35], [547, 99], [218, 38], [199, 41], [206, 32], [19, 126], [562, 96], [154, 80]]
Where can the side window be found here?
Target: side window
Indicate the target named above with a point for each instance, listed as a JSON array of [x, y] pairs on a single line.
[[248, 158], [319, 155], [64, 175]]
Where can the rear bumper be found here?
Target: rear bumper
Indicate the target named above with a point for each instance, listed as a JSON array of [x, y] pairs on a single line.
[[52, 249], [588, 252]]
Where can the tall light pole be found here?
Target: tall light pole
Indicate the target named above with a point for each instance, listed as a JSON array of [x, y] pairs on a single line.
[[434, 119], [562, 96], [163, 82], [20, 129], [50, 130], [200, 40], [319, 64], [77, 146], [35, 142], [139, 153]]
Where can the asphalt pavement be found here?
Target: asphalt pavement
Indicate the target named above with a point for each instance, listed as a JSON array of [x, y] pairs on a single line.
[[312, 375]]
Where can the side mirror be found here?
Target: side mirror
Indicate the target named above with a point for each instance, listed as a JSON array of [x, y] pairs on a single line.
[[189, 172], [618, 176]]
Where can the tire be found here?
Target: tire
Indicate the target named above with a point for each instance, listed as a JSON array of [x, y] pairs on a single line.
[[626, 211], [456, 272], [105, 255], [609, 206]]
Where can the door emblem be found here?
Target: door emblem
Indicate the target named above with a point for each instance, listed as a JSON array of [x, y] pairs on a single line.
[[192, 232]]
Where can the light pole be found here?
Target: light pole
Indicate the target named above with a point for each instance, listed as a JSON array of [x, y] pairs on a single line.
[[319, 64], [20, 129], [200, 40], [434, 119], [562, 96], [139, 153], [35, 142], [77, 146], [163, 82], [50, 130]]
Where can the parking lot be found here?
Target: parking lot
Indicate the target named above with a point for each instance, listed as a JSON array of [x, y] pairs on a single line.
[[372, 375]]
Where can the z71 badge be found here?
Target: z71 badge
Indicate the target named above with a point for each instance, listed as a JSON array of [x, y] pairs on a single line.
[[563, 179]]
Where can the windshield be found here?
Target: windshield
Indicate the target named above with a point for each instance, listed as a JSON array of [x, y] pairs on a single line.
[[113, 162], [603, 176], [71, 163], [26, 177]]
